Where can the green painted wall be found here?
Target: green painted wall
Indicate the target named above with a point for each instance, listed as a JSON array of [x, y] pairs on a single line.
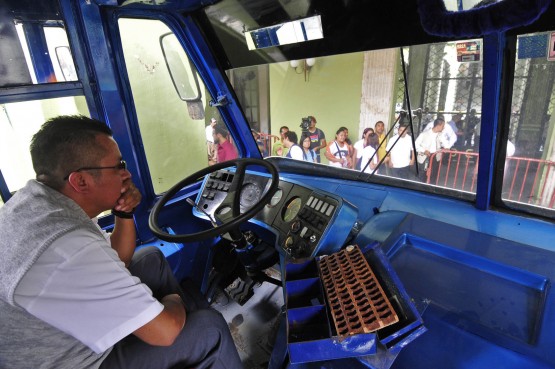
[[175, 143], [292, 98]]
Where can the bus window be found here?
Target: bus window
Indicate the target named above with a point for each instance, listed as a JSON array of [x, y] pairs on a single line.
[[529, 170], [358, 90], [18, 123], [170, 101], [46, 52]]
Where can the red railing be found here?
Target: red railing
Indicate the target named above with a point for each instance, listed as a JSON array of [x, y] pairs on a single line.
[[526, 180], [530, 181], [455, 169]]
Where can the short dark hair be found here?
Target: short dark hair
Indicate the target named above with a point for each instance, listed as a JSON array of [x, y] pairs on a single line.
[[403, 127], [282, 128], [221, 130], [292, 136], [64, 144], [438, 121]]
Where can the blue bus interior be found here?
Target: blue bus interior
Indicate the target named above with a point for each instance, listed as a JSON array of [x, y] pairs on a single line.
[[466, 258]]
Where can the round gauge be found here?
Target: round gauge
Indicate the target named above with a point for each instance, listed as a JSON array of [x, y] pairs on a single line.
[[292, 209], [250, 195], [276, 198]]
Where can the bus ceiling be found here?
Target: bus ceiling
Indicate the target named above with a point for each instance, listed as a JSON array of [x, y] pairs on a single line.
[[446, 18], [353, 26], [346, 26]]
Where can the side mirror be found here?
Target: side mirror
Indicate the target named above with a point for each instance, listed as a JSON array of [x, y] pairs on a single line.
[[182, 72]]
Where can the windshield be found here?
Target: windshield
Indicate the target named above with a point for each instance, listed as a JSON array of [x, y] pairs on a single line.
[[410, 116], [405, 113]]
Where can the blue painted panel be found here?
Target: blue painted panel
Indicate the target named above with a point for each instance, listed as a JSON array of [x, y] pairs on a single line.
[[450, 346], [172, 252], [526, 269], [490, 297], [533, 46], [43, 91], [38, 50], [527, 231], [296, 271], [494, 44], [304, 293], [410, 325]]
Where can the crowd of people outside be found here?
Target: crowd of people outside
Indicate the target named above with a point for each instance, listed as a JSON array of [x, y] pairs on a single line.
[[389, 153], [442, 143], [378, 151]]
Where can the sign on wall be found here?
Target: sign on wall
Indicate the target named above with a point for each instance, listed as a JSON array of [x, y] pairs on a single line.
[[468, 51]]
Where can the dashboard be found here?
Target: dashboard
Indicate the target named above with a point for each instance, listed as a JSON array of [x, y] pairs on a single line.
[[307, 221]]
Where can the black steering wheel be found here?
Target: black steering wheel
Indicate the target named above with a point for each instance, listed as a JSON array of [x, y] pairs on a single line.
[[230, 220]]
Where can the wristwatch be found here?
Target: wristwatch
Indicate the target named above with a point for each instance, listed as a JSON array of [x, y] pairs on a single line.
[[123, 214]]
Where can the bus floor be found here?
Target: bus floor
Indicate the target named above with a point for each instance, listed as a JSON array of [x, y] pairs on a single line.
[[254, 324]]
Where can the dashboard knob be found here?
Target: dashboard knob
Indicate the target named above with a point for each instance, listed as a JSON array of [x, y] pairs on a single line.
[[289, 242], [295, 226]]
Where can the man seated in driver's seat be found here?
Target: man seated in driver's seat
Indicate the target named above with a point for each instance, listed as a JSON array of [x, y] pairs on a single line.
[[72, 296]]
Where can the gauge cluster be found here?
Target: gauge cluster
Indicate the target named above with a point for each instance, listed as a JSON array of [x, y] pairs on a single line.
[[299, 215], [308, 224]]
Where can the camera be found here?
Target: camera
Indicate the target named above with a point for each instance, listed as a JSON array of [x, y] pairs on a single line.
[[305, 123]]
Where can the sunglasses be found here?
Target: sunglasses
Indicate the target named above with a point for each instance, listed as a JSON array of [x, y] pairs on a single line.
[[122, 165]]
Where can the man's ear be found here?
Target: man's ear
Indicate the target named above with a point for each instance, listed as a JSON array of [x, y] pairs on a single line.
[[80, 182]]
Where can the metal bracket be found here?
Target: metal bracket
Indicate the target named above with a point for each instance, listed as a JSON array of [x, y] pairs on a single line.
[[221, 100]]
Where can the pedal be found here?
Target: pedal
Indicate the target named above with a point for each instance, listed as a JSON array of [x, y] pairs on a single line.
[[241, 290]]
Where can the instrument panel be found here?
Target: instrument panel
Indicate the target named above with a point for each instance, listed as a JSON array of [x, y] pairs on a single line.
[[299, 215]]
